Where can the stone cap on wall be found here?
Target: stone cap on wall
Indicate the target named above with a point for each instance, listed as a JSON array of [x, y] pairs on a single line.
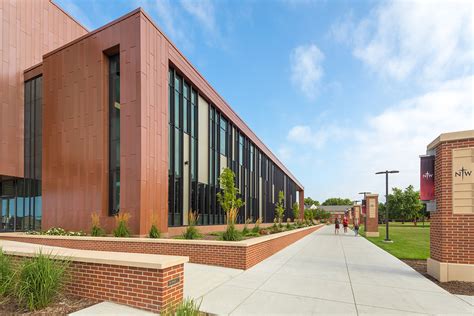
[[140, 260], [453, 136], [241, 243]]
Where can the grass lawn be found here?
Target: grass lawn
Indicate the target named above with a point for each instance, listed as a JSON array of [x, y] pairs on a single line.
[[409, 241]]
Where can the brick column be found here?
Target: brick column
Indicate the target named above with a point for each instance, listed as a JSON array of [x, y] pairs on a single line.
[[372, 215], [301, 203], [452, 222], [356, 213]]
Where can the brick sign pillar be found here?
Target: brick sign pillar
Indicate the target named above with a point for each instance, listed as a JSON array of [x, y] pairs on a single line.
[[372, 215], [356, 214], [452, 211]]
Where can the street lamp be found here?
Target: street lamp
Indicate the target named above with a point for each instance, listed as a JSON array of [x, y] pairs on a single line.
[[386, 172]]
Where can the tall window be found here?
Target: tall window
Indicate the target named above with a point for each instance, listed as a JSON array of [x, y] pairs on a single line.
[[114, 134], [223, 136], [241, 149]]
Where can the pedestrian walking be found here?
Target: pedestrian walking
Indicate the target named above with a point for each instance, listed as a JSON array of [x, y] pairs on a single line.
[[345, 223], [356, 227], [337, 224]]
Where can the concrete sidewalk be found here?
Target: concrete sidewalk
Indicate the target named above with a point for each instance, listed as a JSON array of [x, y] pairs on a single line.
[[322, 274]]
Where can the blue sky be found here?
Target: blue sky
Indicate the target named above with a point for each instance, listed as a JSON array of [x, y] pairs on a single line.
[[337, 89]]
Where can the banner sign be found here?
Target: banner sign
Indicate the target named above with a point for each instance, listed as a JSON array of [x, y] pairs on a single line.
[[363, 207], [427, 192]]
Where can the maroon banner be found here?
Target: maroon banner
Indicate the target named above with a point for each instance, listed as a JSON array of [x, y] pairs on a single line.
[[427, 178]]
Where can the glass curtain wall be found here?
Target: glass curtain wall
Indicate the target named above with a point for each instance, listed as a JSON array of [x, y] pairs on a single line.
[[259, 180]]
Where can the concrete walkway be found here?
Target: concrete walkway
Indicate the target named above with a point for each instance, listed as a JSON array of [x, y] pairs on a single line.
[[322, 274]]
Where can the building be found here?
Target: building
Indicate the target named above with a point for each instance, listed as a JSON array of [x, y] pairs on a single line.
[[118, 120], [336, 210]]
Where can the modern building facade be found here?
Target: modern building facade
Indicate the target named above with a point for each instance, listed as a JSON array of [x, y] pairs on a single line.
[[117, 120]]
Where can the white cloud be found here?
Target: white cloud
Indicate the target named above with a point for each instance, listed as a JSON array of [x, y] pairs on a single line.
[[203, 11], [424, 40], [306, 69], [392, 139]]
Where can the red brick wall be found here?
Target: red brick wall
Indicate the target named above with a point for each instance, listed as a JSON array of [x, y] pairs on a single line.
[[451, 235], [143, 288], [231, 256]]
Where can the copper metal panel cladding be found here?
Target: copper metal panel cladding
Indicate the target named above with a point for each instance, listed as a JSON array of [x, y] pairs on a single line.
[[75, 146], [28, 29]]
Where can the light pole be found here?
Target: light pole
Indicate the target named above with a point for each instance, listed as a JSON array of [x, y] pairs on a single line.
[[386, 172], [361, 210]]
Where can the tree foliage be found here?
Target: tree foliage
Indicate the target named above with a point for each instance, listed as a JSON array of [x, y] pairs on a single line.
[[309, 201], [279, 207], [296, 212], [337, 201], [404, 204], [228, 196]]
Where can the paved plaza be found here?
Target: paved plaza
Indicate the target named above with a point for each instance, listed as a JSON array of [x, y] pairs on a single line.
[[322, 274]]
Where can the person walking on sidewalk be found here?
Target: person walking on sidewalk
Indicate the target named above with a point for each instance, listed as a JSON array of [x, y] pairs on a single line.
[[356, 227], [337, 223], [345, 223]]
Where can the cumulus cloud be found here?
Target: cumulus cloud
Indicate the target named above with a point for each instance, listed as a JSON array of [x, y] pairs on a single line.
[[424, 40], [391, 139], [306, 69]]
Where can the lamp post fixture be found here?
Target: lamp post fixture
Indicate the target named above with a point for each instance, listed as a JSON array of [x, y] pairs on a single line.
[[386, 172]]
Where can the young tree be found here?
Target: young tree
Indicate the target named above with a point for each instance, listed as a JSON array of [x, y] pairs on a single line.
[[412, 203], [229, 202], [309, 201], [296, 212], [279, 207]]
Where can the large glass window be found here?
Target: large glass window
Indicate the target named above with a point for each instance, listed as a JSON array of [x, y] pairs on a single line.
[[241, 149], [114, 134], [223, 136]]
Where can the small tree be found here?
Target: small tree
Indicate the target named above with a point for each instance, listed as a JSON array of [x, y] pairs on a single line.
[[229, 202], [296, 212], [279, 208]]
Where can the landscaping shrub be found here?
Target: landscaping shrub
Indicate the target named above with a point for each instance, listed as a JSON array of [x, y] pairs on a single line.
[[6, 277], [121, 225], [56, 231], [188, 307], [256, 228], [230, 203], [40, 280], [96, 229], [154, 232], [246, 230], [191, 231], [288, 223], [231, 234]]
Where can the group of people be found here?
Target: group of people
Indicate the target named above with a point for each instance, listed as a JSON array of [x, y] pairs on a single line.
[[345, 224]]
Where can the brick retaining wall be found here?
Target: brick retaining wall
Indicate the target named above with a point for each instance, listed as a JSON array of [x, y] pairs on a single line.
[[143, 288], [238, 255]]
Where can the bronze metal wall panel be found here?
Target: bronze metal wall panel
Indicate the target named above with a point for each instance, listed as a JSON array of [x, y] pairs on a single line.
[[28, 29], [75, 146]]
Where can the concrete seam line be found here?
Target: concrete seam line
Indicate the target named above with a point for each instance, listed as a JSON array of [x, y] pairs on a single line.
[[271, 275], [348, 274]]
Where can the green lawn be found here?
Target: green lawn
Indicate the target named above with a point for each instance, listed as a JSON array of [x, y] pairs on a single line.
[[409, 241]]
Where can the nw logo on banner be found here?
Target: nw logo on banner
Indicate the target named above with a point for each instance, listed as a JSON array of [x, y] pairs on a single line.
[[427, 175], [462, 173]]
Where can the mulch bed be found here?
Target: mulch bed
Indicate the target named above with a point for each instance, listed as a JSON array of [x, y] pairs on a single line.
[[63, 306], [453, 287]]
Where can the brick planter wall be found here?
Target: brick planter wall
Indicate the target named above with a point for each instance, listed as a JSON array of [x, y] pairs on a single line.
[[238, 255], [143, 288]]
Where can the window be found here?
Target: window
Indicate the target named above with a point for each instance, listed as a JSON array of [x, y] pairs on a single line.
[[241, 150], [185, 107], [251, 157], [114, 134], [223, 136], [177, 101]]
